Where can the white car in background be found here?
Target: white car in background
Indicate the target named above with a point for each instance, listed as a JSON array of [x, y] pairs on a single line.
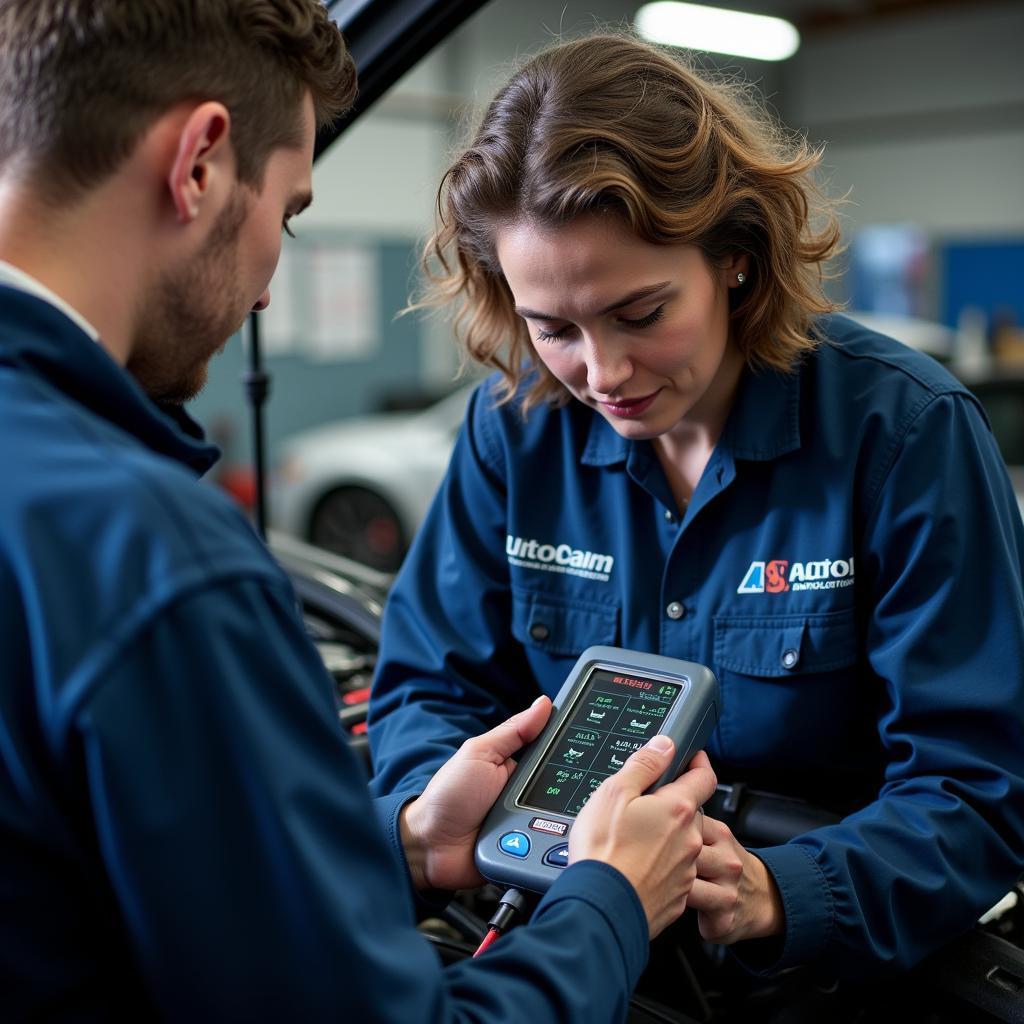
[[361, 487]]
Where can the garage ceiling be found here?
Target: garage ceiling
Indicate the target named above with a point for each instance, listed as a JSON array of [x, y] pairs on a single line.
[[814, 15]]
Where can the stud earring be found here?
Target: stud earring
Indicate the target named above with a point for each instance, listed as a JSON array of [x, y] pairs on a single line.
[[741, 277]]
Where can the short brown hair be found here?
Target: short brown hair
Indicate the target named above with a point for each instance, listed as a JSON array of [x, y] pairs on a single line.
[[82, 80], [608, 123]]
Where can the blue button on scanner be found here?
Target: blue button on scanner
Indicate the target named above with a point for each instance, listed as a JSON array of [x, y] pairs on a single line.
[[515, 844], [557, 856]]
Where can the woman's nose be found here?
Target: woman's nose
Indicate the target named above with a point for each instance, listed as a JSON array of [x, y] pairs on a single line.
[[608, 365]]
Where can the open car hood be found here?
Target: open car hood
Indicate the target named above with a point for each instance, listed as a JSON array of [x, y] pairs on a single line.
[[386, 38]]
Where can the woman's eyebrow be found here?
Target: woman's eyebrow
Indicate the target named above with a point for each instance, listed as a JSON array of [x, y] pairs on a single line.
[[633, 296]]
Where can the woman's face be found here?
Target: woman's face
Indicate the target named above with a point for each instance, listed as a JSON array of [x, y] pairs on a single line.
[[639, 332]]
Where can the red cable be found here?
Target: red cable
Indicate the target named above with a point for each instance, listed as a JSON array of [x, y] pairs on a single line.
[[359, 696], [511, 904], [488, 939]]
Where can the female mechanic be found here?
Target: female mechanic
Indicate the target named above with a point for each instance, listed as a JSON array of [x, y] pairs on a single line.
[[685, 451]]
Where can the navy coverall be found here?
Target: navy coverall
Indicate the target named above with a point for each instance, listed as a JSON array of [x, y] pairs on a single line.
[[850, 566]]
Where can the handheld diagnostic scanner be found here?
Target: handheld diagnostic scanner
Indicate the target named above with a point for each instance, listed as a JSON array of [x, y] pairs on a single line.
[[611, 704]]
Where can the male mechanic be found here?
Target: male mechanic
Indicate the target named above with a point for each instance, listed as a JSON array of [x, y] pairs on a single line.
[[183, 831]]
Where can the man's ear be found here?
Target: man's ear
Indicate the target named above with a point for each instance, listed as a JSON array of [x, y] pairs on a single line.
[[203, 152]]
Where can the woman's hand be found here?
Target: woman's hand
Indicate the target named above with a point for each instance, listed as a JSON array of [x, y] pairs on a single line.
[[440, 826], [734, 895]]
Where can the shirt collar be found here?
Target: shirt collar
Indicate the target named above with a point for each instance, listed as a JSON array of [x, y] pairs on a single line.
[[38, 339], [604, 447], [14, 277], [764, 423]]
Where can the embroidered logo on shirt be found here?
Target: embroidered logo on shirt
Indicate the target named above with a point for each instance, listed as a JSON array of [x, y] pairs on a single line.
[[779, 575], [533, 554]]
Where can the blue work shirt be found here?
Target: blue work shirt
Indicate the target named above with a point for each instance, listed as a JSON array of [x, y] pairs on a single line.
[[184, 833], [849, 566]]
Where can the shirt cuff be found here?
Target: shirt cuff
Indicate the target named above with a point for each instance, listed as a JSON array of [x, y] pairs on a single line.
[[388, 809], [607, 891], [808, 907]]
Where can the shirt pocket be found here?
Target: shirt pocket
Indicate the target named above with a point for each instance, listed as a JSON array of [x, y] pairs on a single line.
[[789, 693], [560, 625]]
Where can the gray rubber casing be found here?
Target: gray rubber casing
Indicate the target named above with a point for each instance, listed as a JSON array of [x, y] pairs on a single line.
[[690, 722]]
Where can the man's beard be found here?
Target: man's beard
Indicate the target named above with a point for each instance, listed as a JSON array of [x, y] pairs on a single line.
[[190, 313]]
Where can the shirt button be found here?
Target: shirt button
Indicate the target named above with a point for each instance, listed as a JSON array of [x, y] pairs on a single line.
[[668, 515], [675, 610], [790, 658], [539, 631]]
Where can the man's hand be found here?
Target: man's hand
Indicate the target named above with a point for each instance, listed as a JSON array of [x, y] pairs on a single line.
[[653, 840], [439, 827], [735, 896]]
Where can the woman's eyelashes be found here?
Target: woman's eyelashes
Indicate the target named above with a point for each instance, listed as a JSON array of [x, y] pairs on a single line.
[[646, 321], [543, 335], [639, 324]]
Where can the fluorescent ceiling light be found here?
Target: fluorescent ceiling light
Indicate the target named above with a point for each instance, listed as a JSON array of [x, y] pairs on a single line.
[[712, 28]]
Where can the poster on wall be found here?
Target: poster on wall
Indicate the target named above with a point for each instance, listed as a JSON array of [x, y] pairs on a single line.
[[324, 301], [344, 282]]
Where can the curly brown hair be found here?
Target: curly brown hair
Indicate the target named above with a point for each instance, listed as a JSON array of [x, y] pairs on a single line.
[[609, 123], [82, 80]]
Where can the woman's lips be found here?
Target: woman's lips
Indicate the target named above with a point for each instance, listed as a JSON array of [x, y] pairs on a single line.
[[630, 407]]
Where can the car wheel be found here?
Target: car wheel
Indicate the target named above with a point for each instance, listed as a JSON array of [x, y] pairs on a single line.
[[359, 524]]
